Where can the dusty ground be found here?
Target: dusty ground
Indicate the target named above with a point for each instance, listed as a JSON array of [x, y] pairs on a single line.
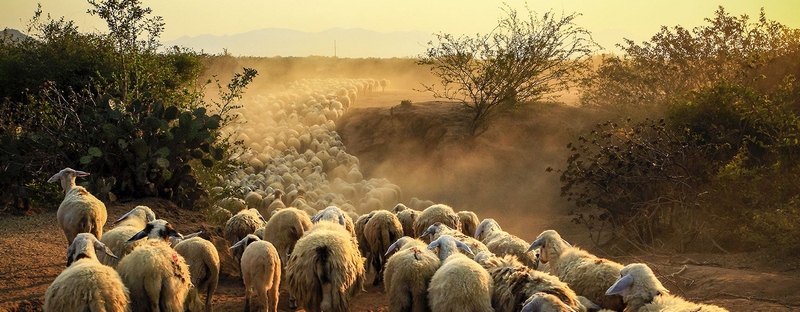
[[502, 177]]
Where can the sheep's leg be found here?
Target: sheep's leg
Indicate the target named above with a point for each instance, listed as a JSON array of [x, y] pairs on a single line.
[[273, 295], [153, 293], [376, 263], [247, 300], [208, 300]]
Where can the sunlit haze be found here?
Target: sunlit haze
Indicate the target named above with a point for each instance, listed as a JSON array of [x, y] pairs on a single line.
[[609, 21]]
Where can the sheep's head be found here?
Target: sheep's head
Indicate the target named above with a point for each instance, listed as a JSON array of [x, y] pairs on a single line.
[[486, 227], [244, 242], [398, 208], [637, 280], [157, 230], [143, 213], [434, 230], [448, 245], [398, 244], [545, 302], [550, 244], [67, 177], [85, 245]]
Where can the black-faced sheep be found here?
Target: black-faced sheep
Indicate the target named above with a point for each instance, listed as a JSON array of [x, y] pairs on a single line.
[[261, 269], [436, 213], [502, 243], [642, 292], [126, 227], [80, 211], [380, 232], [514, 283], [156, 275], [460, 284], [409, 270], [325, 269], [203, 260], [586, 274], [86, 285]]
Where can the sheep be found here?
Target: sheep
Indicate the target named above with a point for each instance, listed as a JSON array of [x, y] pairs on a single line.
[[438, 229], [156, 275], [335, 214], [283, 230], [126, 226], [543, 302], [80, 211], [436, 213], [586, 274], [502, 243], [642, 292], [245, 222], [407, 217], [325, 269], [514, 283], [459, 284], [469, 222], [203, 260], [408, 274], [363, 246], [86, 285], [261, 267], [381, 230]]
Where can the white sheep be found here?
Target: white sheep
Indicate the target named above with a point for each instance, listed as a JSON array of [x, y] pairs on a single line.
[[469, 222], [438, 229], [502, 243], [436, 213], [156, 275], [409, 270], [514, 283], [245, 222], [586, 274], [407, 217], [460, 284], [261, 269], [543, 302], [642, 292], [325, 269], [86, 285], [80, 211], [203, 260], [380, 231], [283, 230], [126, 227]]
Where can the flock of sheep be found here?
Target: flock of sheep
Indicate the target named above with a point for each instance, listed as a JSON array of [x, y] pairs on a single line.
[[305, 221]]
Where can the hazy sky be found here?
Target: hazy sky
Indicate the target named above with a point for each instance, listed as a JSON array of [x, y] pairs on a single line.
[[609, 20]]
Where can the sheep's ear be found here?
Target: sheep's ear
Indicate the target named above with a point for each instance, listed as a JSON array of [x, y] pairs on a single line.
[[70, 254], [188, 236], [393, 247], [539, 242], [55, 177], [566, 243], [138, 236], [427, 232], [81, 173], [465, 247], [479, 230], [434, 244], [620, 285], [239, 243], [100, 247], [125, 216], [150, 216]]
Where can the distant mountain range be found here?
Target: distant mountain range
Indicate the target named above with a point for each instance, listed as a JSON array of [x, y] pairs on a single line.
[[350, 43]]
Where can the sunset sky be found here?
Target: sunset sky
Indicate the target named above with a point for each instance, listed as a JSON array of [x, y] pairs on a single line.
[[609, 20]]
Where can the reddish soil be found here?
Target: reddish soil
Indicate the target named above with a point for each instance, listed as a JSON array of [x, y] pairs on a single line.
[[500, 175]]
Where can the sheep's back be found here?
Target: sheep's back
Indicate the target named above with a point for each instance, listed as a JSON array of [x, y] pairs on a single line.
[[511, 245], [382, 223], [87, 285], [117, 240], [155, 266], [409, 271], [203, 260], [589, 276], [667, 302], [460, 284], [79, 204]]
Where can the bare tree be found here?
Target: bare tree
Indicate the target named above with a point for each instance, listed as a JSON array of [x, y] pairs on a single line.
[[519, 61]]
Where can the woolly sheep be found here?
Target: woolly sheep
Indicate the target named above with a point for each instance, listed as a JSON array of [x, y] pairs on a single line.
[[586, 274], [283, 230], [336, 215], [408, 274], [80, 211], [326, 269], [363, 246], [436, 213], [380, 232], [514, 283], [203, 260], [245, 222], [407, 217], [126, 227], [156, 275], [261, 269], [502, 243], [86, 285], [543, 302], [460, 284], [469, 222], [642, 292], [438, 229]]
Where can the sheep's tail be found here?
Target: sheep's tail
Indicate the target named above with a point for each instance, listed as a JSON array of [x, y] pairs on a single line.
[[322, 270], [88, 224]]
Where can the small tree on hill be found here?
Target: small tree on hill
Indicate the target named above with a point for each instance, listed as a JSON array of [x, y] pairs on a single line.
[[521, 60]]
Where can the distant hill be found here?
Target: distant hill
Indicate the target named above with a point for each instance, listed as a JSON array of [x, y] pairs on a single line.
[[10, 34], [351, 43]]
